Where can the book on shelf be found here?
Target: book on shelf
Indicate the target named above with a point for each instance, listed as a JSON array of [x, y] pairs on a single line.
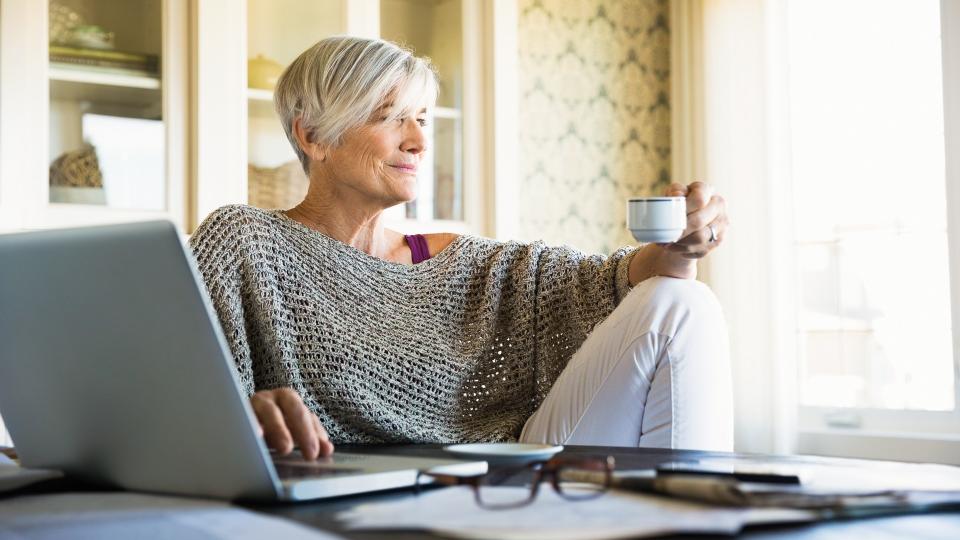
[[146, 63]]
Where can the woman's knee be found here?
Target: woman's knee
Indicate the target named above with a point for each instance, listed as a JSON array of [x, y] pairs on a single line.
[[680, 293], [668, 306]]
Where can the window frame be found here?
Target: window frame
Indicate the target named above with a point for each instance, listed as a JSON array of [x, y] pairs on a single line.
[[911, 435]]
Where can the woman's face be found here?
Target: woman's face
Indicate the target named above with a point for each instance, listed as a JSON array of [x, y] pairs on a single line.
[[379, 160]]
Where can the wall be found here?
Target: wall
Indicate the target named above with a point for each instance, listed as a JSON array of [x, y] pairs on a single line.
[[594, 116]]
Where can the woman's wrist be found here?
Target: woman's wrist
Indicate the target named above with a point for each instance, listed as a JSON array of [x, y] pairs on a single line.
[[655, 260]]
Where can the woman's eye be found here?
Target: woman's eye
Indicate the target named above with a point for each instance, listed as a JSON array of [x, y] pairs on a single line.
[[422, 122]]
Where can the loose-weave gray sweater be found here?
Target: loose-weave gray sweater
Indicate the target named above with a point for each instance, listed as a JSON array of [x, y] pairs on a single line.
[[461, 347]]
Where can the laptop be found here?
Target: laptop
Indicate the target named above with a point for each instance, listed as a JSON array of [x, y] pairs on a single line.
[[114, 369]]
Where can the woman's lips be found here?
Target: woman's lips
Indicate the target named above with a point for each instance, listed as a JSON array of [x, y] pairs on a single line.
[[407, 168]]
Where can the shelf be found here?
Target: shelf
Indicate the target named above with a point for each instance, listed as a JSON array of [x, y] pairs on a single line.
[[446, 112], [261, 103], [104, 76], [259, 94], [102, 85]]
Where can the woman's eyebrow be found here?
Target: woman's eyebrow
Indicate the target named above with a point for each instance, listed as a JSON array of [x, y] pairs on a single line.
[[387, 106]]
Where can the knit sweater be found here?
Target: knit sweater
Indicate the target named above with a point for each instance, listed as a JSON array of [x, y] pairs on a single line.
[[461, 347]]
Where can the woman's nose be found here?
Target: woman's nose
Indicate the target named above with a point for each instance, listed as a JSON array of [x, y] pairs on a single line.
[[414, 137]]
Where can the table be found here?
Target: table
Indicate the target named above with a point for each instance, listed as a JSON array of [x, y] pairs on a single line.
[[321, 514], [939, 526]]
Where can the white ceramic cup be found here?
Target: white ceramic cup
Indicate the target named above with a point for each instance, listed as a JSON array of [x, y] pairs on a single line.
[[657, 219]]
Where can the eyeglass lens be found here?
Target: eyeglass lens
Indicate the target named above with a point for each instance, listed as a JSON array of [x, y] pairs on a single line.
[[574, 480]]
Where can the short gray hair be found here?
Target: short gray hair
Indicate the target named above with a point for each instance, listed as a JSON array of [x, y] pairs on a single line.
[[342, 81]]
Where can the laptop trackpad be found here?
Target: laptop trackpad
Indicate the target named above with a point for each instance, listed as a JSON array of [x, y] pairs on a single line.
[[293, 466]]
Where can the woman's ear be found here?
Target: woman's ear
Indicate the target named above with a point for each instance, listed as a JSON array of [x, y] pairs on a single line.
[[315, 150]]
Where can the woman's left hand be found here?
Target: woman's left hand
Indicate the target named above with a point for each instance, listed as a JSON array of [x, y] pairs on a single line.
[[706, 220], [706, 227]]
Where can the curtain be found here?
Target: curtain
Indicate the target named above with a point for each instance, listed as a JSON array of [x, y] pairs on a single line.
[[727, 122]]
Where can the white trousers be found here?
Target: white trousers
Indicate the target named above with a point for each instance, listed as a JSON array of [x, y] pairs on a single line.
[[655, 373]]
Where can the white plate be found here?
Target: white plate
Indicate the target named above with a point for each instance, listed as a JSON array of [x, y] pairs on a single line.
[[504, 451]]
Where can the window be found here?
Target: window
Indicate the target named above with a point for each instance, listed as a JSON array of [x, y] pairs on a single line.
[[866, 117]]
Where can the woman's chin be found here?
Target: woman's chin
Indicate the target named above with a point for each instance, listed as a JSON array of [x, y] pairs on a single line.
[[407, 193], [401, 198], [400, 190]]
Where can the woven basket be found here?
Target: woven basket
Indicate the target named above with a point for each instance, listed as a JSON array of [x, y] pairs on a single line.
[[280, 187], [77, 168]]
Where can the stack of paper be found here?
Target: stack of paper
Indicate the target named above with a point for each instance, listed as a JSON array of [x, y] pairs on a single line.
[[453, 512], [647, 505], [145, 517]]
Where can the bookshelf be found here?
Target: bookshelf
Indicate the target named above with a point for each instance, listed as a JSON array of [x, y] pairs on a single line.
[[63, 89]]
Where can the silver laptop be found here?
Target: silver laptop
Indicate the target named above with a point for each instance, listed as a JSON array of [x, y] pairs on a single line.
[[114, 369]]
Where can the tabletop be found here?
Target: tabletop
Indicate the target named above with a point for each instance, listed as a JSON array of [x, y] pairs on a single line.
[[321, 514]]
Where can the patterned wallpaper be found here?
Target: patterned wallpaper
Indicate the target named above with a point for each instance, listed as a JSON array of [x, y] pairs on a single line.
[[594, 116]]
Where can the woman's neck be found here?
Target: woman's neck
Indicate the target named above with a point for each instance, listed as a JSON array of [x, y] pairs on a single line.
[[349, 221]]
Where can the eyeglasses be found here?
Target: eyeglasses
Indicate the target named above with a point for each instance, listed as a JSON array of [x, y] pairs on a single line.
[[573, 478]]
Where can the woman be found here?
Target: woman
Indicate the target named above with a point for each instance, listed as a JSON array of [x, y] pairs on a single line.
[[346, 331]]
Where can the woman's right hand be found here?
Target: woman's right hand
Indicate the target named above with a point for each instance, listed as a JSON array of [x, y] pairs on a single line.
[[285, 421]]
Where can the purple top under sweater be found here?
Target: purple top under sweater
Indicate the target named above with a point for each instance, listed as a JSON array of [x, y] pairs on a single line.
[[418, 247]]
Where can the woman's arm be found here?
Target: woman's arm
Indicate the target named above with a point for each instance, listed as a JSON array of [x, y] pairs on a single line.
[[283, 418], [679, 259]]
